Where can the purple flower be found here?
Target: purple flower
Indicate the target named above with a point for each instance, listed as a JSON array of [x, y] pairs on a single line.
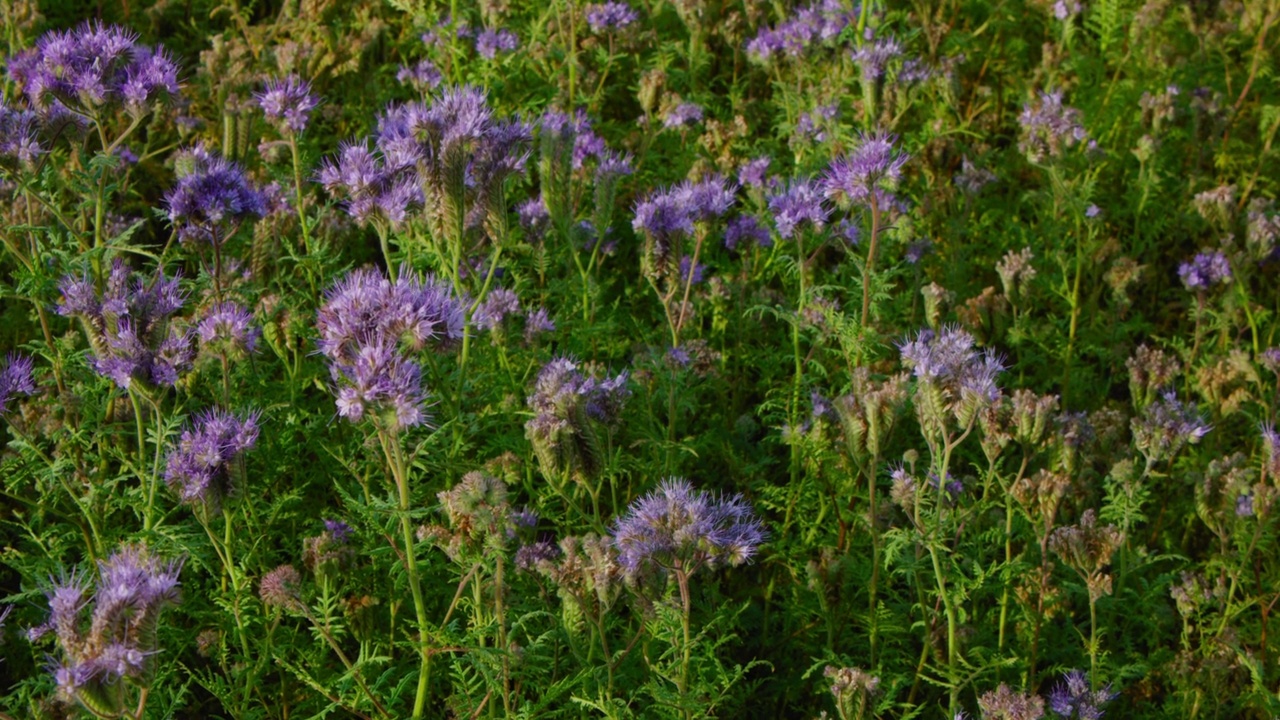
[[746, 229], [796, 203], [613, 15], [534, 217], [19, 135], [490, 42], [16, 378], [338, 530], [1165, 426], [422, 76], [537, 322], [872, 169], [202, 468], [210, 196], [957, 379], [683, 115], [228, 328], [1066, 9], [812, 126], [117, 640], [815, 24], [287, 103], [663, 216], [1073, 698], [690, 272], [753, 172], [707, 199], [677, 527], [1050, 127], [500, 303], [93, 66], [875, 55], [375, 190], [569, 409], [1204, 271]]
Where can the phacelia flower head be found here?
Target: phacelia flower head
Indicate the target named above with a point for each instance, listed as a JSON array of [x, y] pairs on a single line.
[[204, 468], [608, 16], [872, 170], [746, 230], [799, 202], [1165, 426], [874, 56], [288, 103], [683, 115], [282, 588], [706, 199], [373, 187], [490, 42], [228, 328], [1049, 128], [1205, 270], [16, 378], [571, 412], [19, 137], [956, 380], [808, 27], [1004, 703], [211, 196], [107, 638], [92, 67], [677, 527], [1073, 699], [421, 76]]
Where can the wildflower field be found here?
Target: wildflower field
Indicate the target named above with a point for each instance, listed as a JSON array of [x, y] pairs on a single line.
[[394, 359]]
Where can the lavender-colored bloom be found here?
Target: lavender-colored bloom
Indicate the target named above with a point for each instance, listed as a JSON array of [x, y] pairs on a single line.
[[679, 528], [1066, 9], [612, 15], [16, 378], [228, 328], [202, 468], [422, 76], [116, 642], [211, 195], [613, 165], [753, 172], [812, 126], [690, 272], [799, 201], [500, 303], [537, 322], [530, 556], [1271, 452], [683, 115], [287, 103], [338, 530], [375, 189], [956, 379], [818, 23], [746, 229], [568, 407], [1006, 704], [1049, 128], [490, 42], [707, 199], [1165, 426], [534, 217], [663, 216], [19, 136], [873, 169], [1092, 211], [1205, 270], [93, 66], [874, 56], [1072, 699], [971, 178]]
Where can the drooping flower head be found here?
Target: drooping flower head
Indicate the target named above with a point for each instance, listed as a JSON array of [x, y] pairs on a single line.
[[211, 196], [679, 527], [288, 103], [92, 67], [872, 170], [16, 378], [203, 469], [113, 643]]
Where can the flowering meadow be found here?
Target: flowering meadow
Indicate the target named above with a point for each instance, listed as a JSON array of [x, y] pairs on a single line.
[[391, 359]]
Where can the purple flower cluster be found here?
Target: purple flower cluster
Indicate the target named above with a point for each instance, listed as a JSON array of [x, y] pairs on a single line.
[[228, 328], [375, 190], [745, 229], [1050, 127], [502, 303], [796, 203], [91, 67], [211, 195], [666, 216], [129, 326], [117, 642], [754, 173], [812, 126], [1165, 426], [288, 103], [567, 408], [677, 527], [19, 135], [874, 56], [201, 468], [1072, 699], [872, 170], [1205, 270], [956, 379], [821, 22], [612, 15], [16, 378], [421, 76], [683, 115], [490, 42], [365, 326]]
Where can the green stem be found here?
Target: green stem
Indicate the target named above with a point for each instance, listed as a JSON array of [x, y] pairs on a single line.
[[395, 458]]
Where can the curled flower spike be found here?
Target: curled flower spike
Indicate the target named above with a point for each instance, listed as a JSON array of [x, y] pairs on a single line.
[[677, 526]]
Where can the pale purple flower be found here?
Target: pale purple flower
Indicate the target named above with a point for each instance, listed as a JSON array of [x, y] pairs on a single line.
[[809, 26], [753, 172], [873, 56], [1066, 9], [287, 103], [1205, 270], [534, 217], [20, 136], [971, 178], [707, 199], [211, 196], [1050, 127], [948, 362], [745, 229], [228, 327], [16, 378], [663, 216], [1004, 703], [422, 76], [374, 189], [873, 169], [812, 126], [537, 322], [683, 115], [1073, 699], [612, 15], [570, 413], [690, 272], [1165, 426], [490, 42], [677, 527], [202, 469], [500, 303], [799, 202]]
